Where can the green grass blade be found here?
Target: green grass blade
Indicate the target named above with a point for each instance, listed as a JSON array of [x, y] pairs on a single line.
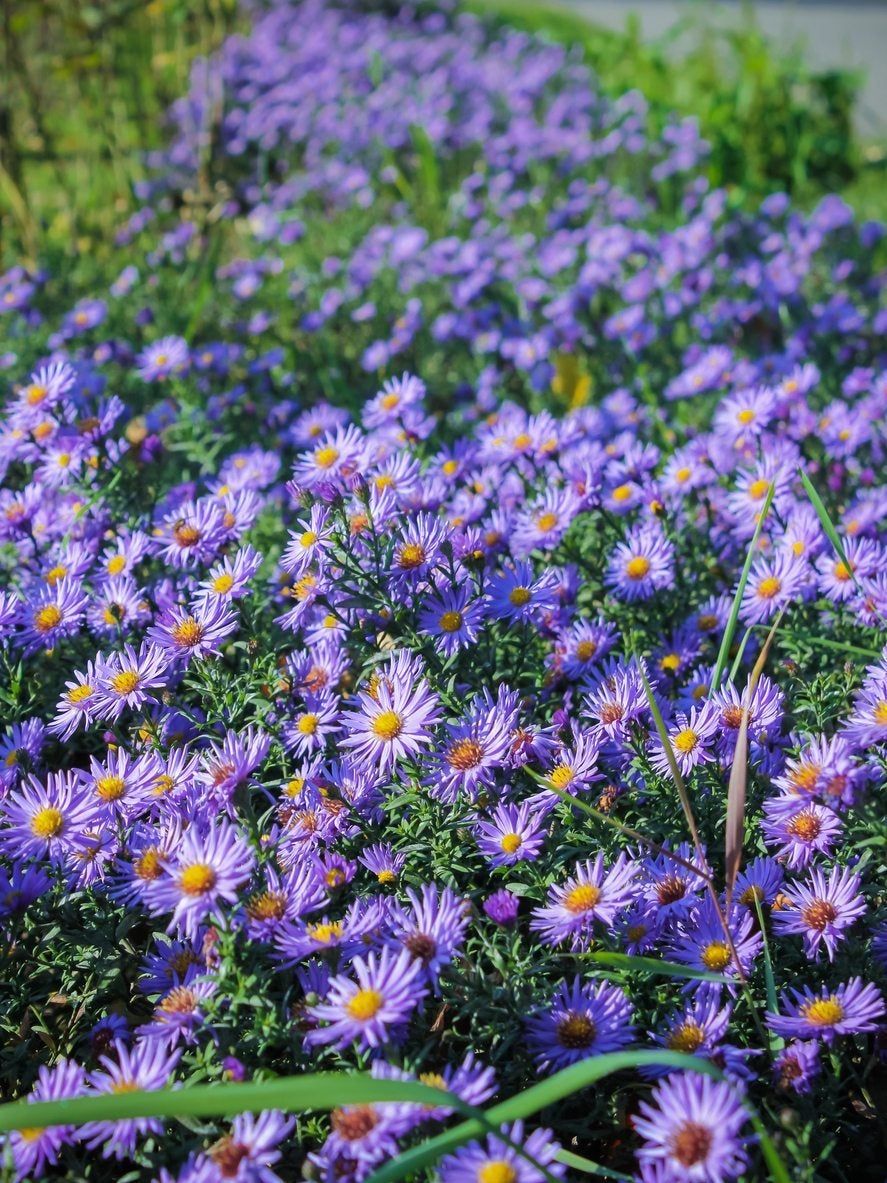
[[776, 1042], [733, 619], [652, 967], [314, 1090], [538, 1096], [586, 1167]]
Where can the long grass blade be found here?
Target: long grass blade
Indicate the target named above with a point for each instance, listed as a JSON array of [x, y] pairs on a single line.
[[538, 1096], [652, 967], [737, 789], [733, 619], [586, 1167], [776, 1041]]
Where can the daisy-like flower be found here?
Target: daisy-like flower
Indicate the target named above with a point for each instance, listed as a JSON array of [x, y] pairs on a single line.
[[837, 579], [191, 534], [121, 785], [208, 867], [800, 830], [850, 1008], [583, 1019], [371, 1006], [512, 834], [128, 679], [381, 859], [516, 594], [56, 612], [179, 1013], [227, 766], [250, 1150], [395, 397], [334, 462], [702, 942], [310, 541], [797, 1066], [183, 634], [692, 1125], [497, 1161], [867, 722], [543, 524], [391, 721], [473, 749], [431, 928], [581, 646], [147, 1067], [694, 1030], [36, 1148], [311, 727], [230, 578], [169, 355], [692, 740], [761, 880], [43, 819], [773, 583], [641, 565], [617, 702], [452, 618], [417, 550], [821, 909], [590, 895]]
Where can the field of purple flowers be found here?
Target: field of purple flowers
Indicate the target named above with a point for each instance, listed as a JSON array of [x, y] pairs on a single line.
[[442, 635]]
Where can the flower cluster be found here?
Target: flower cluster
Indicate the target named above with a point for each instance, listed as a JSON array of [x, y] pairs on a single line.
[[329, 615]]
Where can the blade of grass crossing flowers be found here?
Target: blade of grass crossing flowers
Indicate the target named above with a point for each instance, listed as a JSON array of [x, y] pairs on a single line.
[[531, 1100], [653, 968], [828, 526], [586, 1167], [776, 1042], [314, 1090], [737, 789], [733, 619]]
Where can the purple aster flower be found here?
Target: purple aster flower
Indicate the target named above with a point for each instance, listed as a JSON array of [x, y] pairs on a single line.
[[431, 928], [617, 703], [513, 833], [249, 1151], [692, 1124], [148, 1066], [641, 565], [56, 613], [773, 583], [184, 634], [583, 1019], [516, 594], [208, 867], [800, 830], [797, 1066], [33, 1150], [573, 766], [694, 1030], [383, 862], [470, 1080], [702, 942], [373, 1005], [849, 1009], [820, 909], [692, 740], [310, 541], [128, 678], [159, 360], [230, 578], [417, 551], [311, 727], [581, 646], [502, 907], [392, 718], [761, 880], [590, 895], [42, 819], [496, 1161], [179, 1013], [452, 618], [669, 888], [473, 749]]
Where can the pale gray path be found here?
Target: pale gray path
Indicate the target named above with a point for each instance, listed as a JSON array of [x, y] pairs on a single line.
[[833, 34]]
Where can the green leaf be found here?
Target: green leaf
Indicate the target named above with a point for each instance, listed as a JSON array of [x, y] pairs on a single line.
[[653, 967], [586, 1167], [531, 1100], [733, 619]]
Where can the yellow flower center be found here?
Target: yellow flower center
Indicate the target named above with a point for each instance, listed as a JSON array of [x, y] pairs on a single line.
[[387, 725], [125, 682], [586, 650], [307, 724], [497, 1171], [78, 694], [823, 1012], [561, 775], [385, 876], [715, 956], [688, 1038], [880, 713], [323, 933], [582, 898], [223, 583], [622, 493], [187, 633], [546, 522], [47, 822], [47, 618], [683, 475], [519, 596], [745, 417], [671, 662], [197, 879], [116, 564], [511, 842], [326, 457], [451, 622], [637, 567], [411, 556], [110, 788], [55, 574], [685, 741], [35, 394], [758, 489], [768, 587], [365, 1005], [148, 865]]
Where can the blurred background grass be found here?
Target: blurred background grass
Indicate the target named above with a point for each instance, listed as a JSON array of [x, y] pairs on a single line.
[[85, 89]]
